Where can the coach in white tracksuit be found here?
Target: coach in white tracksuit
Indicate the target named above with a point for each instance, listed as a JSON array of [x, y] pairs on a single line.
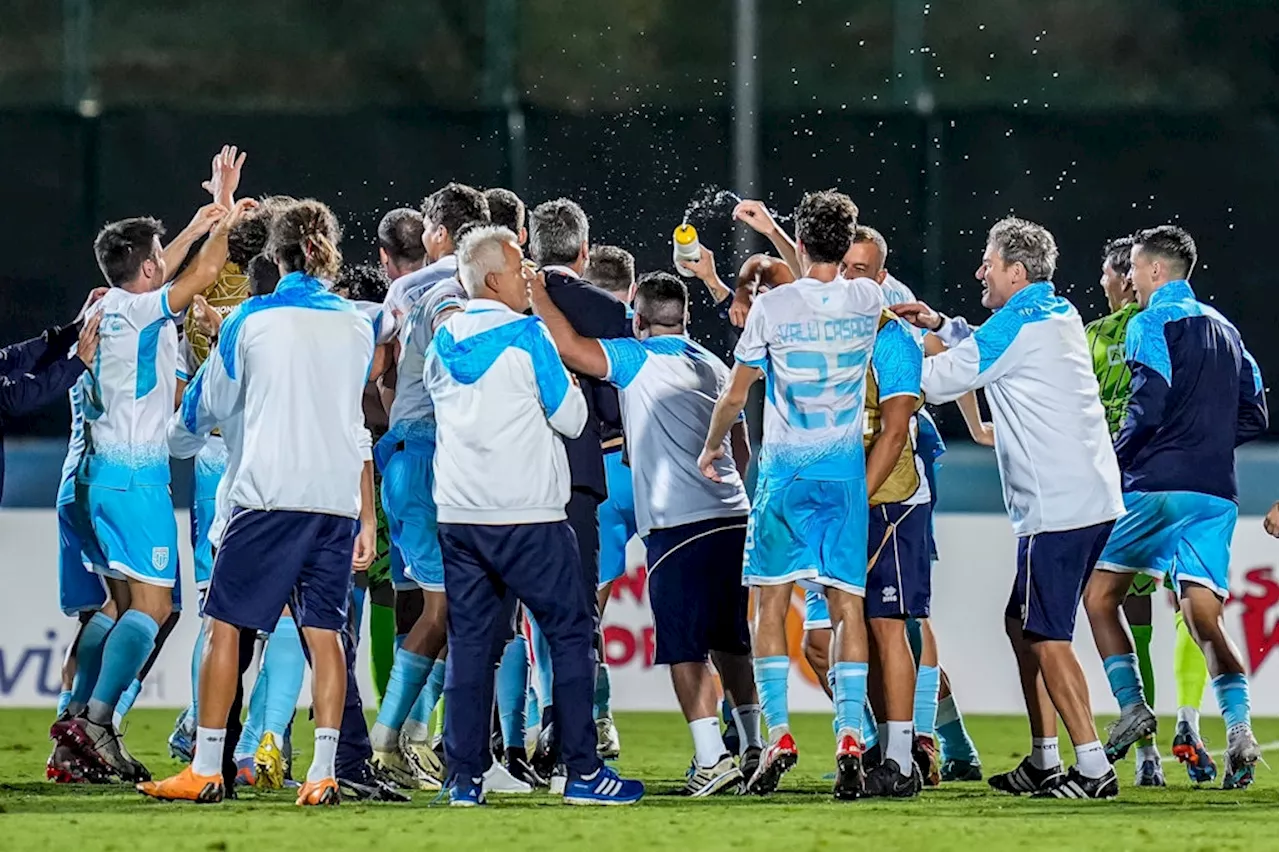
[[1060, 478]]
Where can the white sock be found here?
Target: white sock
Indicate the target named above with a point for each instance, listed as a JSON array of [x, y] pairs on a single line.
[[1149, 752], [417, 732], [707, 745], [1091, 760], [1044, 752], [747, 718], [1191, 716], [322, 762], [898, 745], [209, 745]]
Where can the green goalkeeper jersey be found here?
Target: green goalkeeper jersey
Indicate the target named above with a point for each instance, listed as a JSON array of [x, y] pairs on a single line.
[[1106, 346]]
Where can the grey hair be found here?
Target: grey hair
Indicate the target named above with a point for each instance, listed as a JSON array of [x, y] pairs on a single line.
[[557, 230], [479, 253], [867, 234], [1020, 241]]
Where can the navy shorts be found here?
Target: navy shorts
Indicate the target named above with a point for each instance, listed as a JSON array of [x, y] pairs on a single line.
[[1053, 568], [898, 561], [268, 560], [695, 590]]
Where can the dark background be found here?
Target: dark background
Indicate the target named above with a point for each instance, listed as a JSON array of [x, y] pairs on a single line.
[[1094, 118]]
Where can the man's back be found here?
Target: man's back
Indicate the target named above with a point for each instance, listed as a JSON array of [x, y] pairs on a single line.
[[411, 409], [814, 341], [669, 386], [1195, 395], [127, 396]]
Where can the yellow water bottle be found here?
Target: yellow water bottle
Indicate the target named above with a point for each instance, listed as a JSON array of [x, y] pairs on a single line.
[[685, 247]]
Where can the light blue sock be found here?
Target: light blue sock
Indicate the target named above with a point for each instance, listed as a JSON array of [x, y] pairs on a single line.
[[926, 709], [409, 675], [285, 664], [726, 711], [251, 733], [851, 696], [123, 655], [831, 682], [433, 690], [1232, 692], [513, 682], [197, 654], [771, 681], [1122, 674], [125, 704], [541, 664], [357, 606], [603, 693], [870, 731], [89, 659], [955, 740], [914, 639], [64, 698]]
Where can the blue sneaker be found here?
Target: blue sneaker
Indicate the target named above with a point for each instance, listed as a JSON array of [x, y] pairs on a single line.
[[1190, 750], [467, 794], [603, 787], [181, 745]]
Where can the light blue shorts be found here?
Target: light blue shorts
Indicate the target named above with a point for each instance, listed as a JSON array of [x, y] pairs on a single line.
[[816, 616], [1183, 535], [809, 531], [411, 515], [80, 560], [202, 514], [137, 532], [617, 519]]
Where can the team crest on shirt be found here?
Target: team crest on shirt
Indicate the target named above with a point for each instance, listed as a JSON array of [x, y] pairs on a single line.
[[889, 594], [159, 558]]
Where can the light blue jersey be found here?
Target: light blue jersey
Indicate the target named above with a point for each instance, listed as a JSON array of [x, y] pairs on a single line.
[[813, 340]]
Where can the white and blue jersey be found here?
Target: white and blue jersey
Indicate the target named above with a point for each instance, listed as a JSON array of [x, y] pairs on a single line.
[[503, 402], [405, 453], [1053, 448], [813, 340], [125, 400], [80, 560], [210, 465], [1195, 395], [668, 388]]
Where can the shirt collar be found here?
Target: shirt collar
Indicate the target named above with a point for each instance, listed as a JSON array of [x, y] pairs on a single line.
[[478, 306], [1038, 291], [1173, 291], [301, 281], [563, 270], [449, 261]]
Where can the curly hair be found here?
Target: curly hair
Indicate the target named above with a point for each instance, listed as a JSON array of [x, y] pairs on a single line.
[[304, 237], [824, 225]]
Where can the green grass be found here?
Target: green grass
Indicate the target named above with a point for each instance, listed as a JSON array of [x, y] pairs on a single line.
[[39, 815]]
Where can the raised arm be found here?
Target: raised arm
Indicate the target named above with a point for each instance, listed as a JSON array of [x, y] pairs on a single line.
[[758, 217], [562, 399], [580, 354], [204, 270], [705, 269]]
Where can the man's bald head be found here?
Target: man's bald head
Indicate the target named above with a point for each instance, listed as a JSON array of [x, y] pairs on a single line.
[[762, 272]]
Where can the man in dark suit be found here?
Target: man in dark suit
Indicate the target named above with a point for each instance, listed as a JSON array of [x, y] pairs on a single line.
[[558, 243]]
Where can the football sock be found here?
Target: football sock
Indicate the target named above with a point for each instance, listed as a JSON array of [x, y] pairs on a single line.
[[1122, 674], [541, 663], [851, 696], [952, 734], [603, 693], [123, 655], [707, 745], [89, 659], [197, 654], [771, 680], [125, 704], [382, 647], [322, 761], [1091, 760], [1189, 667], [870, 730], [513, 678], [926, 706], [747, 718], [285, 663], [1044, 752], [1232, 692], [208, 757], [409, 675], [898, 746]]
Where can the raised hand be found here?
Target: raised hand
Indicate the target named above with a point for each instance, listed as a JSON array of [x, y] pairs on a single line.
[[756, 215], [704, 267], [225, 175], [94, 295], [741, 306], [235, 214], [205, 218], [207, 317]]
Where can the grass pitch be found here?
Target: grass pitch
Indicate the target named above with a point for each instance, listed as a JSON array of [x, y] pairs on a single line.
[[35, 814]]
